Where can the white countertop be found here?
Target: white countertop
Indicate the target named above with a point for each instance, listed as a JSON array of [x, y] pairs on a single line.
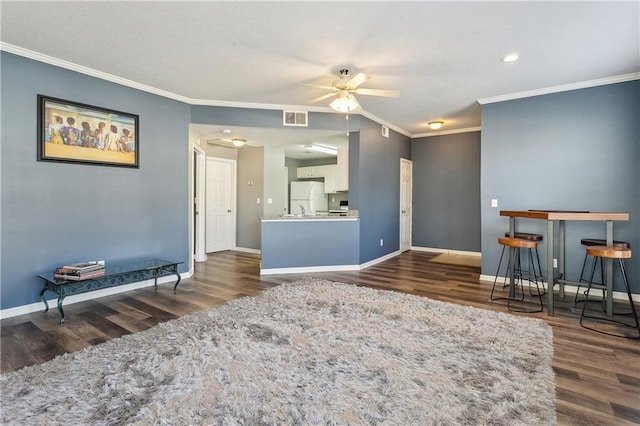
[[350, 216]]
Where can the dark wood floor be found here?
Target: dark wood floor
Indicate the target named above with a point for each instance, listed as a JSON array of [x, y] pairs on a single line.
[[597, 376]]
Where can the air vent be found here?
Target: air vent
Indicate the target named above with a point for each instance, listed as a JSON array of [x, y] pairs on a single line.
[[295, 118]]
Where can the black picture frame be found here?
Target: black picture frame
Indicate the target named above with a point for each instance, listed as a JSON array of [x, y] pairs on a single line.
[[73, 132]]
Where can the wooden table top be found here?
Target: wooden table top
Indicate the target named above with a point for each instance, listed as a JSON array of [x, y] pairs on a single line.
[[564, 215]]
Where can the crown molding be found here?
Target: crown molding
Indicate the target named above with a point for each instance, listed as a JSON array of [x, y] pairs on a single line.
[[384, 123], [561, 88], [10, 48], [447, 132], [89, 71]]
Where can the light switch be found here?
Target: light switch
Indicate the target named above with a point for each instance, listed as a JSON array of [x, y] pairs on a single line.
[[269, 200], [258, 200], [494, 202]]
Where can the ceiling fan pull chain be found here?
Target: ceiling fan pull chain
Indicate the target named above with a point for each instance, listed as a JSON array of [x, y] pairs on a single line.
[[347, 118]]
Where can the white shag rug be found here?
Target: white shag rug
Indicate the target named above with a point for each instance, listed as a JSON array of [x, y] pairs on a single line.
[[310, 352]]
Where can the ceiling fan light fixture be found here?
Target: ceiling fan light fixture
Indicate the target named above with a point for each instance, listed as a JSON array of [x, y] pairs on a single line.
[[435, 125], [238, 142], [344, 103]]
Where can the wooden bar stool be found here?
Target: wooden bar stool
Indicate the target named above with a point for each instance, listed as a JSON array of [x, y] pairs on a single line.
[[610, 252], [590, 242], [530, 274]]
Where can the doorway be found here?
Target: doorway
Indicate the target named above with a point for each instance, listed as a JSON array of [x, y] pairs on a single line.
[[220, 204], [406, 188]]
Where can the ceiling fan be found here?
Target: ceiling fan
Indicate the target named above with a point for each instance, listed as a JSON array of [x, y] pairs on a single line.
[[345, 88]]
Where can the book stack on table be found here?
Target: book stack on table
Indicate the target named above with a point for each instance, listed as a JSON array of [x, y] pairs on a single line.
[[79, 271]]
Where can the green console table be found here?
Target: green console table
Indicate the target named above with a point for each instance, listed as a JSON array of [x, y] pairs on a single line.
[[116, 273]]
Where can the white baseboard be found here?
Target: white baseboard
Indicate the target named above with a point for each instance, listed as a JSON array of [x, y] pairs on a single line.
[[309, 269], [380, 259], [247, 250], [326, 268], [201, 259], [571, 289], [53, 303], [439, 250]]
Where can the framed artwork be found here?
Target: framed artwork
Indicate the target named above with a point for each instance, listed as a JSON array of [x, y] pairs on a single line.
[[72, 132]]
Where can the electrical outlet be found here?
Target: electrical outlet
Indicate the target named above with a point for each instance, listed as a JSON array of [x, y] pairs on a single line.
[[555, 263], [494, 202], [381, 242]]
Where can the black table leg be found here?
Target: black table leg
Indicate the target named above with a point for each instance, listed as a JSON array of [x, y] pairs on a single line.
[[46, 305], [175, 286], [60, 299]]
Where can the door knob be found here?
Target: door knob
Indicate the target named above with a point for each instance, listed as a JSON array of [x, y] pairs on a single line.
[[229, 211]]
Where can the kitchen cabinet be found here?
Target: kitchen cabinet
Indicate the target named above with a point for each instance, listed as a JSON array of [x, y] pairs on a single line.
[[330, 174], [342, 169], [310, 172]]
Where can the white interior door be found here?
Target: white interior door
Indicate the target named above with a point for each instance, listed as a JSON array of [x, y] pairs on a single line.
[[406, 184], [221, 204]]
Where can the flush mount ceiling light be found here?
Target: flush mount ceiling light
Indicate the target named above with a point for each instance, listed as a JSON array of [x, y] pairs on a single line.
[[322, 148], [435, 125], [346, 102], [512, 57], [238, 142]]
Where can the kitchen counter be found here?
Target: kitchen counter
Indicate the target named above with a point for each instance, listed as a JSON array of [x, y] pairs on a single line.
[[351, 215], [306, 244]]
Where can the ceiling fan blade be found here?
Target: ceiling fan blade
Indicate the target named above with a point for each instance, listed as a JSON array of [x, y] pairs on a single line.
[[378, 92], [319, 86], [322, 98], [357, 80]]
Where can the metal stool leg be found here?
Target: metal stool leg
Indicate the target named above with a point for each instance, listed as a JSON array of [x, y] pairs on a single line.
[[613, 320]]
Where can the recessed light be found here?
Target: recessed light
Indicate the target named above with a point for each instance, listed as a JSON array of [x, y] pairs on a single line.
[[512, 57]]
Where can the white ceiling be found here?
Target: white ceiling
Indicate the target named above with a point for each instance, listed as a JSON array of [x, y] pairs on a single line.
[[442, 56]]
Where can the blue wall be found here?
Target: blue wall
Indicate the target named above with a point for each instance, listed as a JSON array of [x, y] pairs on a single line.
[[57, 213], [577, 150], [446, 191], [374, 187]]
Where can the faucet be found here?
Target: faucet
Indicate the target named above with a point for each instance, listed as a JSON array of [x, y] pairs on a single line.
[[302, 209]]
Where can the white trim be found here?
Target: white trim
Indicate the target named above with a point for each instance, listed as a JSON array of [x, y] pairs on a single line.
[[200, 255], [327, 268], [70, 300], [409, 205], [384, 122], [448, 251], [247, 250], [380, 259], [447, 132], [561, 88], [309, 269], [572, 289], [89, 71], [304, 219]]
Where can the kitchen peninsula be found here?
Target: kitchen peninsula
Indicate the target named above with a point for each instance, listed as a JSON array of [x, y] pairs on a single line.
[[298, 244]]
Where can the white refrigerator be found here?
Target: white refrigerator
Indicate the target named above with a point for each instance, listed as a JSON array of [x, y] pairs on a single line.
[[309, 196]]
